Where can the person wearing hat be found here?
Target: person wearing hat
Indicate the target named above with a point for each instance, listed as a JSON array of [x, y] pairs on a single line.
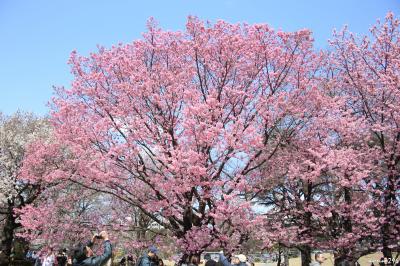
[[237, 260], [147, 258], [84, 256]]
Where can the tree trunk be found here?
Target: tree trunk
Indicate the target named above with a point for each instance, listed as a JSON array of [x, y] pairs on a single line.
[[385, 232], [8, 234], [184, 259], [305, 252], [344, 257], [339, 261], [283, 251], [286, 257], [390, 199], [278, 263]]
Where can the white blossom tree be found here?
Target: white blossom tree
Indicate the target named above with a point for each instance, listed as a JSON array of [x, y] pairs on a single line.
[[16, 132]]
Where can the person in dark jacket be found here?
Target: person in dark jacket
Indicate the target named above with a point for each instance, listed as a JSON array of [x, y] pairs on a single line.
[[130, 261], [62, 257], [123, 261], [237, 260], [84, 256], [154, 260], [148, 258], [209, 261]]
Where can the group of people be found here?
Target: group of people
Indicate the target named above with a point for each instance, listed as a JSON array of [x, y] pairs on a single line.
[[236, 260], [50, 259], [83, 255]]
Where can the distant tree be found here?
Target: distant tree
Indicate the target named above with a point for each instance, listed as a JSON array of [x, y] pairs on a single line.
[[339, 188], [16, 132], [366, 75]]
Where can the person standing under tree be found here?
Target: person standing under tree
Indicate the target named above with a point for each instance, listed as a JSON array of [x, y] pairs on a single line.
[[148, 258], [209, 261], [237, 260], [84, 256], [319, 259]]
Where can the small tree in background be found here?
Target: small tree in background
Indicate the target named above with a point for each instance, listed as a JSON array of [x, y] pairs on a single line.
[[16, 132]]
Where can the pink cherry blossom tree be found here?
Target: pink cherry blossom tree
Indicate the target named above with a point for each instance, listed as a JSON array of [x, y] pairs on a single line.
[[339, 189], [67, 213], [305, 199], [367, 71], [179, 124]]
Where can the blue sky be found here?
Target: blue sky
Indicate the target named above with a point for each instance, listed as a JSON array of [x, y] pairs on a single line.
[[36, 37]]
